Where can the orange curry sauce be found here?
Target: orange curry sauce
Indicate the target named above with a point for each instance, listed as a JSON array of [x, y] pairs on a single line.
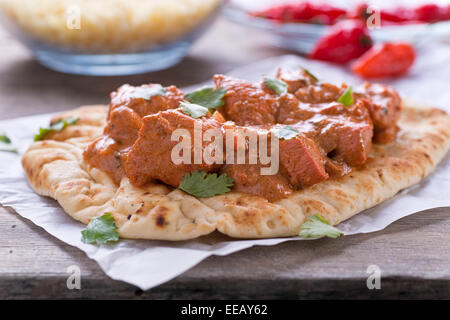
[[332, 138]]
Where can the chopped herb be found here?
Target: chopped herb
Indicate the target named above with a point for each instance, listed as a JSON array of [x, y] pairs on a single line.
[[147, 92], [100, 230], [204, 185], [317, 227], [5, 144], [57, 126], [347, 97], [4, 138], [310, 74], [193, 110], [208, 97], [276, 85], [286, 132]]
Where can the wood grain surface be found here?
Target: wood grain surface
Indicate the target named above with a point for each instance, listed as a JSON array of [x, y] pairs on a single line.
[[413, 253]]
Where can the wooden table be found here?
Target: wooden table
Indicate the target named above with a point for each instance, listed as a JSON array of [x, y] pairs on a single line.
[[413, 253]]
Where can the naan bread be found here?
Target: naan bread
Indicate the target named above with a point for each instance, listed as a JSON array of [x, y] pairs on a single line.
[[55, 168]]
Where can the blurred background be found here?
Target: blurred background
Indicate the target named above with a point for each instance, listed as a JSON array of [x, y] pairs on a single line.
[[60, 54]]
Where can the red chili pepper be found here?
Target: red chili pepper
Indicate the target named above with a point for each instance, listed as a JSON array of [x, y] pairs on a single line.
[[343, 42], [279, 13], [303, 12], [317, 13], [389, 16], [428, 13], [396, 15], [385, 60], [393, 15], [446, 13]]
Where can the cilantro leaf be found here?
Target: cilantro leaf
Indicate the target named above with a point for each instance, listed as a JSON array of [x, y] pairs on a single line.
[[100, 230], [276, 85], [208, 97], [347, 97], [286, 132], [4, 138], [310, 74], [57, 126], [147, 93], [201, 185], [5, 144], [193, 110], [317, 227]]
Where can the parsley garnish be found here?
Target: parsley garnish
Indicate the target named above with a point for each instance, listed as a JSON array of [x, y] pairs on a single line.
[[100, 230], [201, 185], [147, 92], [317, 227], [5, 144], [208, 97], [310, 74], [276, 85], [4, 138], [193, 110], [286, 133], [347, 97], [57, 126]]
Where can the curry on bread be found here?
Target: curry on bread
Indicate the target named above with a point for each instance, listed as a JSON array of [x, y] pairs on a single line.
[[351, 148]]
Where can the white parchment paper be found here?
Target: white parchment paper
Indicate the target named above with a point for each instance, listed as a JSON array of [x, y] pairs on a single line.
[[147, 264]]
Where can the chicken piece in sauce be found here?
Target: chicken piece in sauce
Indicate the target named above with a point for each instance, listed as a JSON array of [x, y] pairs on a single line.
[[120, 133], [248, 179], [300, 162], [124, 122], [246, 103], [344, 133], [145, 99], [296, 80], [150, 158], [384, 104]]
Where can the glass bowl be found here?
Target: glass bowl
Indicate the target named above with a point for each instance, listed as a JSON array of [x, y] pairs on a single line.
[[108, 37], [302, 37]]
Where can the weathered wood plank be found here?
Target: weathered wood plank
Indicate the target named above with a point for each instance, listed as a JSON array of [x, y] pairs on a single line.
[[413, 255]]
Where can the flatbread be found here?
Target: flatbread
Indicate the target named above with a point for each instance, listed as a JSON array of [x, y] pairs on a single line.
[[55, 168]]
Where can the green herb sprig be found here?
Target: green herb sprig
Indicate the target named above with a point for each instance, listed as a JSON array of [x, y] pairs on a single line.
[[208, 97], [100, 230], [280, 87], [6, 144], [193, 110], [204, 185], [347, 97], [318, 227]]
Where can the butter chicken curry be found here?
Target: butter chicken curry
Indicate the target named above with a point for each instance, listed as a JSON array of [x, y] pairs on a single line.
[[334, 127]]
